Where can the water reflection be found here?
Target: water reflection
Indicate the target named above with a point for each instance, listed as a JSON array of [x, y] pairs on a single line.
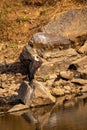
[[66, 117]]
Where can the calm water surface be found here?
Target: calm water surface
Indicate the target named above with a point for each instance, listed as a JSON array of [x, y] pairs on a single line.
[[67, 117]]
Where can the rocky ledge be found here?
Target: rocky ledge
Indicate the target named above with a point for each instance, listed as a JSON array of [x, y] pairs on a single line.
[[56, 60]]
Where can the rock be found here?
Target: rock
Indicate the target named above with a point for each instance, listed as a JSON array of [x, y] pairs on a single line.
[[79, 81], [52, 53], [69, 97], [25, 93], [81, 63], [18, 107], [62, 30], [83, 96], [36, 95], [41, 95], [66, 74], [57, 92], [67, 87], [60, 101], [56, 61], [83, 49], [69, 24], [67, 92], [84, 89], [49, 41]]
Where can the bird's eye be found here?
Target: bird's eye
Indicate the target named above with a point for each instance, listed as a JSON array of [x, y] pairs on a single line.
[[36, 58]]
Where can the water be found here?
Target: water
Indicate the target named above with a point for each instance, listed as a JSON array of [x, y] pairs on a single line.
[[70, 116]]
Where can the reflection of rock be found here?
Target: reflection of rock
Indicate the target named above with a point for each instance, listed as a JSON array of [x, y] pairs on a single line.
[[29, 117]]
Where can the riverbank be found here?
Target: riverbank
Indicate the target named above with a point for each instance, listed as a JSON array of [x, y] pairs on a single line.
[[59, 72]]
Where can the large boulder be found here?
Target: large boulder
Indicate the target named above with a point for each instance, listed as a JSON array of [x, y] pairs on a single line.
[[41, 95], [64, 29], [70, 24], [35, 95]]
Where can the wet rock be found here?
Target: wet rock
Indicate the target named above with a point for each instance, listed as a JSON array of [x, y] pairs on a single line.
[[18, 107], [66, 74]]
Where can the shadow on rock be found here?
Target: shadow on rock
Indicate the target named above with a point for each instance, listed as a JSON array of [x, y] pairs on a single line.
[[15, 67]]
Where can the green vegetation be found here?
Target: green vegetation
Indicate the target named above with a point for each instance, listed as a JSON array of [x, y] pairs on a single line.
[[23, 19], [13, 45]]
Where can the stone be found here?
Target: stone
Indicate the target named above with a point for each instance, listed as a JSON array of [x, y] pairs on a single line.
[[79, 81], [67, 92], [83, 96], [49, 41], [57, 92], [84, 89], [52, 53], [62, 30], [55, 62], [70, 24], [67, 87], [25, 93], [60, 101], [41, 95], [81, 63], [66, 74], [83, 49], [18, 107]]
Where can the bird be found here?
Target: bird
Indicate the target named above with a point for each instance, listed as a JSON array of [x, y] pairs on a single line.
[[33, 66]]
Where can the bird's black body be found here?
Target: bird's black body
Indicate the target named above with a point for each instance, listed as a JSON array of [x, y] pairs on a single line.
[[30, 61]]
